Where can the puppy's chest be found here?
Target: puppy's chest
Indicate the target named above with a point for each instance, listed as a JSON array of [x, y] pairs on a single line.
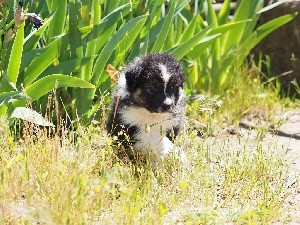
[[147, 123]]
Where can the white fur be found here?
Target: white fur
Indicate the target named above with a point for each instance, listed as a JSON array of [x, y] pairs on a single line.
[[153, 128], [168, 101], [122, 86], [165, 75]]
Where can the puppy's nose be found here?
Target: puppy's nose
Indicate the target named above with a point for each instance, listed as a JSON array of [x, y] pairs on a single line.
[[167, 104], [168, 101], [165, 107]]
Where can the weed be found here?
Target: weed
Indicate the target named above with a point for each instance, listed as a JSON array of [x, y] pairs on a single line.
[[58, 181]]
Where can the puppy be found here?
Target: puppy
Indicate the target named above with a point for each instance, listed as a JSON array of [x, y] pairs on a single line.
[[148, 105]]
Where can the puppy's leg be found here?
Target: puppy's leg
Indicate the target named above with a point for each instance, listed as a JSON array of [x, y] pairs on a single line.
[[168, 148]]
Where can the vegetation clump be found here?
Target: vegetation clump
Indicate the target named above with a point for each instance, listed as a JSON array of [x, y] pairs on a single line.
[[58, 166]]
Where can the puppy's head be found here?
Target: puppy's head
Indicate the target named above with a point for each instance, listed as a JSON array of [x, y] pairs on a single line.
[[154, 82]]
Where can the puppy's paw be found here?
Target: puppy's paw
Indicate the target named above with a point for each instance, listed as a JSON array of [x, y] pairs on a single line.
[[169, 149]]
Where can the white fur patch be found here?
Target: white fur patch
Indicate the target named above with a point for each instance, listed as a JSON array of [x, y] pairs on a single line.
[[122, 86], [168, 101], [153, 128], [165, 75]]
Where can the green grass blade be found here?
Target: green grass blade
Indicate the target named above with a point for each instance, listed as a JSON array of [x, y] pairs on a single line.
[[211, 15], [103, 31], [165, 29], [154, 32], [238, 56], [181, 50], [265, 29], [226, 27], [206, 42], [100, 35], [180, 23], [246, 10], [3, 110], [32, 39], [48, 83], [96, 12], [169, 42], [109, 47], [118, 10], [41, 62], [6, 84], [74, 33], [16, 55], [261, 32], [129, 39], [29, 56], [68, 67], [110, 6], [9, 97], [212, 21], [149, 23], [57, 24], [224, 12], [189, 31]]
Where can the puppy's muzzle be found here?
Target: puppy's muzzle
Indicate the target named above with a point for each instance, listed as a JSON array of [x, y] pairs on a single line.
[[167, 104]]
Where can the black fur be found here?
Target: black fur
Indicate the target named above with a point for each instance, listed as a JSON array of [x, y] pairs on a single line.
[[143, 87]]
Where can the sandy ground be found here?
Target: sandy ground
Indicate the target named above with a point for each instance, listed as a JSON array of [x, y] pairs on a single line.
[[284, 139], [291, 127]]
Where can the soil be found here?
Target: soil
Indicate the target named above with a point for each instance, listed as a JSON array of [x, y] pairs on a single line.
[[283, 139]]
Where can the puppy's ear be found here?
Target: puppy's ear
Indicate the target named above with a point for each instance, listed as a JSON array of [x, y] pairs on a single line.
[[131, 79]]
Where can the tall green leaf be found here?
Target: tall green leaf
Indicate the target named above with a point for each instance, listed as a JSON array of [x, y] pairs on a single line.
[[262, 31], [57, 24], [32, 39], [186, 47], [109, 47], [246, 10], [8, 97], [40, 63], [100, 35], [189, 31], [224, 12], [16, 55], [165, 29], [150, 19], [74, 33], [198, 50], [67, 67], [96, 12], [129, 38], [48, 83]]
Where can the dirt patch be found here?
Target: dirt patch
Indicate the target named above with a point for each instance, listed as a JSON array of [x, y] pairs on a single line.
[[287, 139]]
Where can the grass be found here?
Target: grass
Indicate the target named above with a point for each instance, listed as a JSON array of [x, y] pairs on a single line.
[[55, 180]]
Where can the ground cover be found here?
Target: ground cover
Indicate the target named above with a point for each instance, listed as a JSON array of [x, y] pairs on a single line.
[[241, 170]]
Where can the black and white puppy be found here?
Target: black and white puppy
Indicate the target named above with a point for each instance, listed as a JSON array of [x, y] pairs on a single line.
[[148, 105]]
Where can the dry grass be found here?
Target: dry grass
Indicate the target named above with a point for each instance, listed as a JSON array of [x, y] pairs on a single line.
[[59, 180]]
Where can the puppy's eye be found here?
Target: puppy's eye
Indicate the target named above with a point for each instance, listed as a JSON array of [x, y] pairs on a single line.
[[172, 88], [151, 89]]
